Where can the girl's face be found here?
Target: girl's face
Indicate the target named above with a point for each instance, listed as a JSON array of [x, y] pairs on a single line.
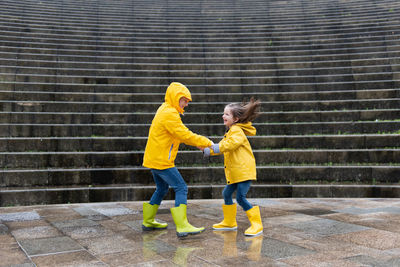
[[228, 118]]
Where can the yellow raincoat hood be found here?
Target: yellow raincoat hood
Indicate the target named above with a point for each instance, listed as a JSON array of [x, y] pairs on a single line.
[[247, 128], [167, 131], [174, 93]]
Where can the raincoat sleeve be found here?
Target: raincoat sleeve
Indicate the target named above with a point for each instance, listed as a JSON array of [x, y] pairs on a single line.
[[178, 130], [234, 139]]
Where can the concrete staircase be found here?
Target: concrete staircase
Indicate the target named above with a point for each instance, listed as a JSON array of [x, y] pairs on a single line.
[[80, 82]]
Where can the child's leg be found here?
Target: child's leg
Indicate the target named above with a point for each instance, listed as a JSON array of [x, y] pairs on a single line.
[[161, 187], [229, 209], [242, 189], [228, 192], [173, 178]]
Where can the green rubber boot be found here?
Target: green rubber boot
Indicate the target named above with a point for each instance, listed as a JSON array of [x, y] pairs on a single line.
[[183, 227], [149, 224]]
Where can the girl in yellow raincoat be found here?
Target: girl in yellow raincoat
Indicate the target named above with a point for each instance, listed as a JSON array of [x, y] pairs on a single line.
[[166, 132], [239, 164]]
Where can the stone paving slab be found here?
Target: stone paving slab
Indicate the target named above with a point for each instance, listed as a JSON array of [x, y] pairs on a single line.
[[297, 232]]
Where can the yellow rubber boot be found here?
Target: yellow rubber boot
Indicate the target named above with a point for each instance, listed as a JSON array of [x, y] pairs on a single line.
[[183, 227], [256, 227], [149, 223], [229, 221]]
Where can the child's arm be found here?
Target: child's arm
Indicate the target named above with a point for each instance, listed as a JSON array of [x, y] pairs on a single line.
[[233, 141], [178, 130]]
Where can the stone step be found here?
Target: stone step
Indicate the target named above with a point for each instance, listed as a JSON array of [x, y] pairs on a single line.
[[10, 59], [36, 144], [139, 176], [278, 41], [191, 12], [233, 36], [191, 71], [257, 19], [144, 107], [211, 27], [118, 193], [195, 117], [199, 97], [196, 76], [101, 86], [297, 128], [117, 74], [222, 50], [123, 8], [88, 159], [193, 81], [192, 15]]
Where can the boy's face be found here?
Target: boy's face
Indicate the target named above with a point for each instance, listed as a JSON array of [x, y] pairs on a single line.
[[183, 102], [228, 118]]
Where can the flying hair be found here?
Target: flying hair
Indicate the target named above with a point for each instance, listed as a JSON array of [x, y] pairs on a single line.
[[245, 112]]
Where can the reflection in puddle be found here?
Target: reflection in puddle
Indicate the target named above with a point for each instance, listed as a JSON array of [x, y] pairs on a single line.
[[253, 252]]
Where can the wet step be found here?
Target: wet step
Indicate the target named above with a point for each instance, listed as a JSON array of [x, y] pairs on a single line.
[[218, 57], [296, 128], [191, 15], [102, 86], [199, 97], [223, 76], [146, 107], [198, 70], [205, 174], [195, 117], [36, 144], [12, 160], [119, 193], [219, 38], [9, 59]]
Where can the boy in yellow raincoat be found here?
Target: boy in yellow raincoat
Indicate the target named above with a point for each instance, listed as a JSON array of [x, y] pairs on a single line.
[[240, 165], [167, 131]]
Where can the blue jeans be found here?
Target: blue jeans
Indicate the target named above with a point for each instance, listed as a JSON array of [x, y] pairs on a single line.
[[166, 178], [242, 189]]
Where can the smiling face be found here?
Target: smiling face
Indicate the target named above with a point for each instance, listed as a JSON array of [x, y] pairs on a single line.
[[228, 118]]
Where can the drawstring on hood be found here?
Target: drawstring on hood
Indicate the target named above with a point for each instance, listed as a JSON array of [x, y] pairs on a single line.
[[174, 93]]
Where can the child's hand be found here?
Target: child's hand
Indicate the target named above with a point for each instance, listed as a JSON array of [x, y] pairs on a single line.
[[206, 152], [201, 148]]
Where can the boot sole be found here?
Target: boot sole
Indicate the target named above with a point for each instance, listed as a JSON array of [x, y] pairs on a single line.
[[147, 229], [184, 234], [251, 235], [225, 229]]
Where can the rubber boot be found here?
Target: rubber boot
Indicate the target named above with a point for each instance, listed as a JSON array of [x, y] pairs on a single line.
[[183, 227], [229, 221], [149, 213], [256, 227]]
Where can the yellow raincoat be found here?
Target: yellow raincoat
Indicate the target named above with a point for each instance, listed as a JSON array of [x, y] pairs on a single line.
[[239, 161], [167, 131]]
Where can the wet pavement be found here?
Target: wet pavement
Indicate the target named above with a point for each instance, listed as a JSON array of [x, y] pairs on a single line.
[[297, 232]]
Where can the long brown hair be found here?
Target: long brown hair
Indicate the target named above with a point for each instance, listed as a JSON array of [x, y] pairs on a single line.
[[245, 112]]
